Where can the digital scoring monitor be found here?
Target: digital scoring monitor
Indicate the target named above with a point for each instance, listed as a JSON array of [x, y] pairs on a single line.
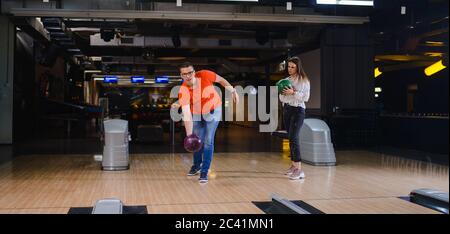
[[161, 79], [110, 79], [137, 79]]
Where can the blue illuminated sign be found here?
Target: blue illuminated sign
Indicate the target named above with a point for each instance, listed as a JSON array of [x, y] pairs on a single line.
[[137, 79], [110, 79], [162, 79]]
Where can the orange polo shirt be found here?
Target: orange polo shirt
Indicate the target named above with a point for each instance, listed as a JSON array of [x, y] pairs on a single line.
[[203, 98]]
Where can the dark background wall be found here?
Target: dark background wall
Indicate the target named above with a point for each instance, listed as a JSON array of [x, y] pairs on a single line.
[[39, 76], [347, 65], [419, 122], [24, 87], [411, 112], [431, 95], [7, 42], [347, 85]]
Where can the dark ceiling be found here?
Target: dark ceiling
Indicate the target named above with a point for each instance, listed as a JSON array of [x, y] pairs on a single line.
[[419, 35]]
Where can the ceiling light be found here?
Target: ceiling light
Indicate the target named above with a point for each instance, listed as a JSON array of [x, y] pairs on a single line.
[[433, 68], [377, 72], [434, 43], [433, 54]]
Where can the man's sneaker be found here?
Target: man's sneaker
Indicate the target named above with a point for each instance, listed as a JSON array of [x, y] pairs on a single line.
[[290, 170], [297, 174], [203, 178], [194, 171]]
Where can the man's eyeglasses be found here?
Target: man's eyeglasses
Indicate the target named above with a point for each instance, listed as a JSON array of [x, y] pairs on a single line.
[[187, 73]]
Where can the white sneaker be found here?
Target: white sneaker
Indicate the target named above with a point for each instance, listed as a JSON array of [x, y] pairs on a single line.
[[290, 170], [297, 174]]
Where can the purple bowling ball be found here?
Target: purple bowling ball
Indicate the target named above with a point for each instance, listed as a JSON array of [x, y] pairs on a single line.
[[192, 143]]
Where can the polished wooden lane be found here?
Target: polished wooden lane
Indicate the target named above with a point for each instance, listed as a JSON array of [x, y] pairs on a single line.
[[362, 182], [378, 205]]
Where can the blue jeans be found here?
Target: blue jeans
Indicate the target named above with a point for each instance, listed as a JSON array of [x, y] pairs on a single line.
[[205, 127], [293, 121]]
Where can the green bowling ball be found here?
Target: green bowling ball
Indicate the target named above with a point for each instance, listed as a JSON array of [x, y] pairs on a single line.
[[282, 84]]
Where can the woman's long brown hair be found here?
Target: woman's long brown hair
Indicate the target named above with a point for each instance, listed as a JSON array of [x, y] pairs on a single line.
[[300, 70]]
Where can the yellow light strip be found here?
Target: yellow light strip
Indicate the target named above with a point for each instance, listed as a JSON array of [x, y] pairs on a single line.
[[433, 68], [435, 43], [434, 54]]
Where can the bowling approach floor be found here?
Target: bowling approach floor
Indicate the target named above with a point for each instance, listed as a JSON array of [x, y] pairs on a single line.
[[362, 182]]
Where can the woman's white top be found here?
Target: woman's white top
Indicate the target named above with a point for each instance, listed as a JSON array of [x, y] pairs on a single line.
[[301, 93]]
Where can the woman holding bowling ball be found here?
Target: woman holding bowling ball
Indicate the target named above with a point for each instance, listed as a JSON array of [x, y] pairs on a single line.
[[201, 106], [293, 99]]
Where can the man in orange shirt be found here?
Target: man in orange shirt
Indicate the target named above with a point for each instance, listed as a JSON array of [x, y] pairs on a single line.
[[202, 110]]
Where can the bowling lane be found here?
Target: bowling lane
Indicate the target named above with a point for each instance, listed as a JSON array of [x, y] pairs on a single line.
[[37, 183]]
